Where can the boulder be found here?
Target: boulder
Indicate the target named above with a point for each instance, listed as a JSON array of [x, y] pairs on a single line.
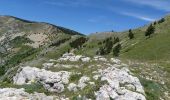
[[102, 59], [75, 58], [83, 82], [72, 87], [85, 59], [96, 77], [116, 61], [105, 93], [47, 65], [57, 87], [54, 81]]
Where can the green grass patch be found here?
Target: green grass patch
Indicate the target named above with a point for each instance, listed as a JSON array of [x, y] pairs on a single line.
[[30, 88], [152, 89]]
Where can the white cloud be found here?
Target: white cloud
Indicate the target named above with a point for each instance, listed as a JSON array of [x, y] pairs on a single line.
[[141, 17], [157, 4], [72, 3]]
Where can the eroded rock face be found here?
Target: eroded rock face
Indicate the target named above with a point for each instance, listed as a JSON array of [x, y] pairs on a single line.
[[20, 94], [52, 81]]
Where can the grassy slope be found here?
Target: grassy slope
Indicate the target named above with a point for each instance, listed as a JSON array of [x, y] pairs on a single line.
[[150, 55], [155, 48]]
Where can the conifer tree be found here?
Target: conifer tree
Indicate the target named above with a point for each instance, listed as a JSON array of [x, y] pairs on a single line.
[[131, 35], [116, 50], [150, 30]]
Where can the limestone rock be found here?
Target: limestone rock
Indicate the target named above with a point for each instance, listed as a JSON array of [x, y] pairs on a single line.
[[121, 85], [85, 59], [72, 87], [116, 61], [47, 65], [83, 82], [53, 81], [96, 77], [100, 58], [73, 58]]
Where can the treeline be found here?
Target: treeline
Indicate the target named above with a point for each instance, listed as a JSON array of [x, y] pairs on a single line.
[[78, 42], [149, 31], [106, 46]]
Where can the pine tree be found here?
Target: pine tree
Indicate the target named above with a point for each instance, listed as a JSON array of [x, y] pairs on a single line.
[[101, 51], [116, 40], [161, 20], [150, 30], [116, 50], [131, 35]]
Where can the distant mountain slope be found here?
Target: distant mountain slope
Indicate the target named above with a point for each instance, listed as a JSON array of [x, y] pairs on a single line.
[[22, 40], [14, 24], [37, 34]]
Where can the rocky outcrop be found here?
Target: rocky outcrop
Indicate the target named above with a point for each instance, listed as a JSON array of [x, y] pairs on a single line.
[[20, 94], [74, 58], [52, 81], [72, 87], [99, 58], [106, 92], [111, 78], [83, 82], [116, 61], [121, 85], [47, 65]]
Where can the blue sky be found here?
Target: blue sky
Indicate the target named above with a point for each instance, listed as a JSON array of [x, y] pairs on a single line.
[[88, 16]]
